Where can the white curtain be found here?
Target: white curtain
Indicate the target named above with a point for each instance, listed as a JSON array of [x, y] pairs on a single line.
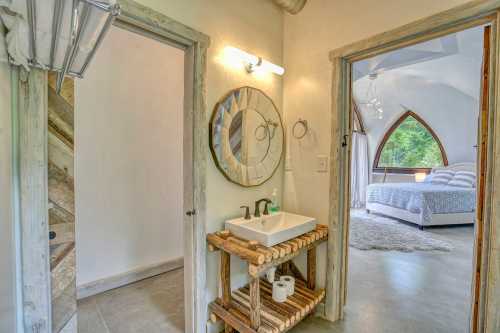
[[359, 170]]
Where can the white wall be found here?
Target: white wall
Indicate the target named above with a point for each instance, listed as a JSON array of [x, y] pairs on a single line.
[[255, 26], [7, 240], [128, 157], [322, 26]]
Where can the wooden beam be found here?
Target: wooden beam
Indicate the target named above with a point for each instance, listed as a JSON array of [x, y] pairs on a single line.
[[311, 268], [244, 253], [225, 278], [254, 303], [32, 115], [229, 318]]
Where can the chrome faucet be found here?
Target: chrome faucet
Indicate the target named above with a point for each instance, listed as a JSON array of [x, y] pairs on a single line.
[[257, 207]]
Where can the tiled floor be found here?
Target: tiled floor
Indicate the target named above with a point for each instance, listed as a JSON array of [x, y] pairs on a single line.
[[155, 305], [389, 292]]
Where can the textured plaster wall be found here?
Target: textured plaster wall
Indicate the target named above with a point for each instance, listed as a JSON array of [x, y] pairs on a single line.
[[322, 26], [128, 157], [257, 27]]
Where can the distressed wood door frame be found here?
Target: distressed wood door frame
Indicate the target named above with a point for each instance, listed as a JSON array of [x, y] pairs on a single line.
[[486, 289], [31, 193]]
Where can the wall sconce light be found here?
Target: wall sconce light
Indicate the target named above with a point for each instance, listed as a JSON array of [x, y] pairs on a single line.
[[420, 177], [253, 63]]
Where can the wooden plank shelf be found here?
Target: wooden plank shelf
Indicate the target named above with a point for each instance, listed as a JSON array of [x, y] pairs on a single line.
[[276, 317], [251, 309], [261, 258]]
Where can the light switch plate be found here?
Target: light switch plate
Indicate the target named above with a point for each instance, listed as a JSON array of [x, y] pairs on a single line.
[[322, 163]]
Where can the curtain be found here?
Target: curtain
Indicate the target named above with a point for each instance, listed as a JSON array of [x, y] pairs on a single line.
[[359, 170]]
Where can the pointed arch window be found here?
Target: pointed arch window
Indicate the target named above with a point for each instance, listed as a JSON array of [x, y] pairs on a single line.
[[409, 146]]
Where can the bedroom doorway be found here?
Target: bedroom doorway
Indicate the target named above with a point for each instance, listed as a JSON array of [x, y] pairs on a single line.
[[407, 279], [419, 126]]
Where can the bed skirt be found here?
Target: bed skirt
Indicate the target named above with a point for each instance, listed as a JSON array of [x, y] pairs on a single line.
[[436, 219]]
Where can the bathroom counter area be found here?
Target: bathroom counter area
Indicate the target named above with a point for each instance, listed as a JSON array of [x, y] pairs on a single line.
[[251, 309]]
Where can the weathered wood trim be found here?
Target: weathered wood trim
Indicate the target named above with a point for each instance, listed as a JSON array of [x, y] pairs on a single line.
[[152, 24], [336, 278], [458, 18], [474, 13], [484, 127], [33, 164], [71, 325], [32, 114], [489, 298], [100, 286]]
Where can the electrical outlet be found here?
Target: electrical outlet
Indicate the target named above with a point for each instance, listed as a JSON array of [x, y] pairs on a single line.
[[322, 163]]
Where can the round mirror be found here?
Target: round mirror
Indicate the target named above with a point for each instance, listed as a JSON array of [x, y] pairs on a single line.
[[246, 136]]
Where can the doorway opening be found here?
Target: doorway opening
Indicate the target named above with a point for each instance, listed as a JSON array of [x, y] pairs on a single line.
[[416, 120], [483, 317], [116, 189], [135, 131]]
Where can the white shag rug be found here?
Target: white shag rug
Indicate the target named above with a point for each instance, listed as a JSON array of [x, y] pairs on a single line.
[[375, 232]]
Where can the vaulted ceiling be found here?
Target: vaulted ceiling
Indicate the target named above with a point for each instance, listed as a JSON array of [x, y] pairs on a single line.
[[439, 80]]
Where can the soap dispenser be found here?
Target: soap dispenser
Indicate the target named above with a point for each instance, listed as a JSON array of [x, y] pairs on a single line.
[[274, 202]]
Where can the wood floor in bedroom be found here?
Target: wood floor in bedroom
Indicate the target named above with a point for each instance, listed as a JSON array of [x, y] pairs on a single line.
[[417, 292]]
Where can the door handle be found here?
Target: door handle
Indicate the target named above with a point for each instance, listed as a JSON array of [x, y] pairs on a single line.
[[344, 142], [52, 235], [191, 212]]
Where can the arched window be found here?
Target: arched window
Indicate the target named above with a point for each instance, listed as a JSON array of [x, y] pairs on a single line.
[[409, 146]]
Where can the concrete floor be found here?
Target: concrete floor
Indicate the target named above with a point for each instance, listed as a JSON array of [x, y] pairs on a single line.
[[155, 305], [395, 292], [389, 292]]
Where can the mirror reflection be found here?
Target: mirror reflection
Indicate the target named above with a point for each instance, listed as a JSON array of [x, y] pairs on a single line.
[[246, 136]]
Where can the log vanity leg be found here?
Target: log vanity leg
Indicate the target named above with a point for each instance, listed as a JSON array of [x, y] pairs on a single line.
[[254, 303], [225, 277], [311, 268]]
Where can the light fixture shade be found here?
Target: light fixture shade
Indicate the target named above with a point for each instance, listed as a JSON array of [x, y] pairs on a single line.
[[252, 62], [94, 26]]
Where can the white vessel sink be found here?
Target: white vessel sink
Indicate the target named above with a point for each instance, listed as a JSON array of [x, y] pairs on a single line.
[[271, 229]]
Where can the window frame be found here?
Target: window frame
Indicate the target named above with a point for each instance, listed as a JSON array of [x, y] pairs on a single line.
[[388, 134]]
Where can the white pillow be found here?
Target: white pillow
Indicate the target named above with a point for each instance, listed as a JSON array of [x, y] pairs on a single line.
[[464, 179], [442, 177]]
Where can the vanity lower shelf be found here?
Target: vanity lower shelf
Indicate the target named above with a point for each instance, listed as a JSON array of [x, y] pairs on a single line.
[[275, 317]]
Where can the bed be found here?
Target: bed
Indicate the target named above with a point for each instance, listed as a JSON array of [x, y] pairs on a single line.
[[425, 204]]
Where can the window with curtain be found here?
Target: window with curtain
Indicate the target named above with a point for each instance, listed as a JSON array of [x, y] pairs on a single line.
[[409, 146]]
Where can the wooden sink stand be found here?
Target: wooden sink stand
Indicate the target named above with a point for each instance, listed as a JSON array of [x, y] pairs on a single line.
[[251, 309]]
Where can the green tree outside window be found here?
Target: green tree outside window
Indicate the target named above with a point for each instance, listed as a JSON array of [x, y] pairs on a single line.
[[411, 145]]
